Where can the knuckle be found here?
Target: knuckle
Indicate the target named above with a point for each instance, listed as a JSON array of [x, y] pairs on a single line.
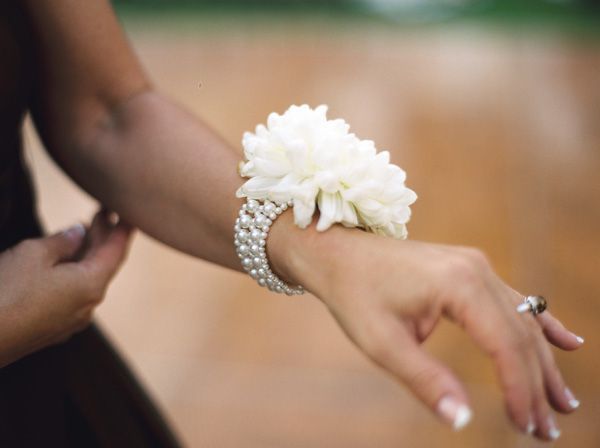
[[459, 269], [476, 256]]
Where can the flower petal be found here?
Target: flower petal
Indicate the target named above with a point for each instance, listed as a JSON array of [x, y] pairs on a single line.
[[301, 155], [303, 213], [327, 210]]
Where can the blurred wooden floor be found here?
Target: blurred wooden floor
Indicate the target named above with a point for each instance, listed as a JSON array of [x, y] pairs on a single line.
[[500, 136]]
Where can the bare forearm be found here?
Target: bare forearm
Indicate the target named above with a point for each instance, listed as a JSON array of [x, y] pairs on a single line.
[[165, 172]]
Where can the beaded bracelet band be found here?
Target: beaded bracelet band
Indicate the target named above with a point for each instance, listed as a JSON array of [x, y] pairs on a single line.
[[251, 231]]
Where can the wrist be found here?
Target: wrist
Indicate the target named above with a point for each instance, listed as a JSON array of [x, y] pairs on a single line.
[[305, 257], [291, 252]]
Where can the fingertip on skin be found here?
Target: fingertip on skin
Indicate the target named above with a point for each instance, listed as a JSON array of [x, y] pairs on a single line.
[[454, 412], [111, 218], [115, 221]]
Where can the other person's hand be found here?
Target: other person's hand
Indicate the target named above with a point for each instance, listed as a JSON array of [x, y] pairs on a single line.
[[50, 286]]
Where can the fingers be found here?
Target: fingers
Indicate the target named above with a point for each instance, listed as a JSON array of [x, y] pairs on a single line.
[[546, 328], [393, 348], [106, 249], [545, 424], [530, 379], [62, 246], [108, 244], [557, 334], [549, 386], [468, 299], [495, 327], [520, 379], [528, 373], [100, 227], [560, 396]]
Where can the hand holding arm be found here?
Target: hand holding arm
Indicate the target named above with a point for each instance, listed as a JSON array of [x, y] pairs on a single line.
[[50, 286]]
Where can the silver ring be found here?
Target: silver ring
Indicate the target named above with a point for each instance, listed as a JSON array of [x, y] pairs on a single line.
[[534, 304]]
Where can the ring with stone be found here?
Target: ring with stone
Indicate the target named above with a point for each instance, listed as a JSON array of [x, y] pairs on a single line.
[[533, 304]]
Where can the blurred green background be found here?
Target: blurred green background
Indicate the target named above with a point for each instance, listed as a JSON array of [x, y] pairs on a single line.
[[579, 15]]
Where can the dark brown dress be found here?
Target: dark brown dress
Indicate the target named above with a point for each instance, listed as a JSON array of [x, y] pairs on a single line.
[[80, 393]]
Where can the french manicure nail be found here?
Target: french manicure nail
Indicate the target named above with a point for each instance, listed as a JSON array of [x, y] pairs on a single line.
[[579, 339], [573, 402], [456, 413], [553, 431], [76, 231], [530, 427]]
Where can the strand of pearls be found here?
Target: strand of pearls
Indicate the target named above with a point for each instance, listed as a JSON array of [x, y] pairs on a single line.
[[251, 230]]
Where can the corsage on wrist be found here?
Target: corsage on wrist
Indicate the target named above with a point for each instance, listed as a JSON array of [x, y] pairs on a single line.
[[302, 160]]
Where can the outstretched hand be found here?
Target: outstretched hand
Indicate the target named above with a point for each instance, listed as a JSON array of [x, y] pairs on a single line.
[[389, 295], [50, 286]]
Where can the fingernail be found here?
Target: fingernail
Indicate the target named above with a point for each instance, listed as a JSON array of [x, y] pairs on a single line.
[[573, 402], [75, 232], [112, 218], [530, 427], [456, 413], [579, 339], [553, 432]]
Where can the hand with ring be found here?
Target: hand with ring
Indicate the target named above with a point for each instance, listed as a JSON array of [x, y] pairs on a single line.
[[388, 296]]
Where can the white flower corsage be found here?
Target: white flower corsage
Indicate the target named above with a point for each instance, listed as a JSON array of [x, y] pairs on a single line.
[[303, 157]]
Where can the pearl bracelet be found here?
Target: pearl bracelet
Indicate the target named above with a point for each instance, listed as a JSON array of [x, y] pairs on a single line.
[[251, 230]]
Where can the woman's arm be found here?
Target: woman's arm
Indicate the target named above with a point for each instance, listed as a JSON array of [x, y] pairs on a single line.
[[135, 151], [167, 173]]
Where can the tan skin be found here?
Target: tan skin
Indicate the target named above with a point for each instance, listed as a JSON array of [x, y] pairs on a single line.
[[52, 285], [167, 173]]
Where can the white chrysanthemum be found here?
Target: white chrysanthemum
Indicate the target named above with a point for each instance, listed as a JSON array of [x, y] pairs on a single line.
[[304, 157]]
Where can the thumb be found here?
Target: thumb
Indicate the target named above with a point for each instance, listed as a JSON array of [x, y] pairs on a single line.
[[437, 387], [429, 379], [63, 246]]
